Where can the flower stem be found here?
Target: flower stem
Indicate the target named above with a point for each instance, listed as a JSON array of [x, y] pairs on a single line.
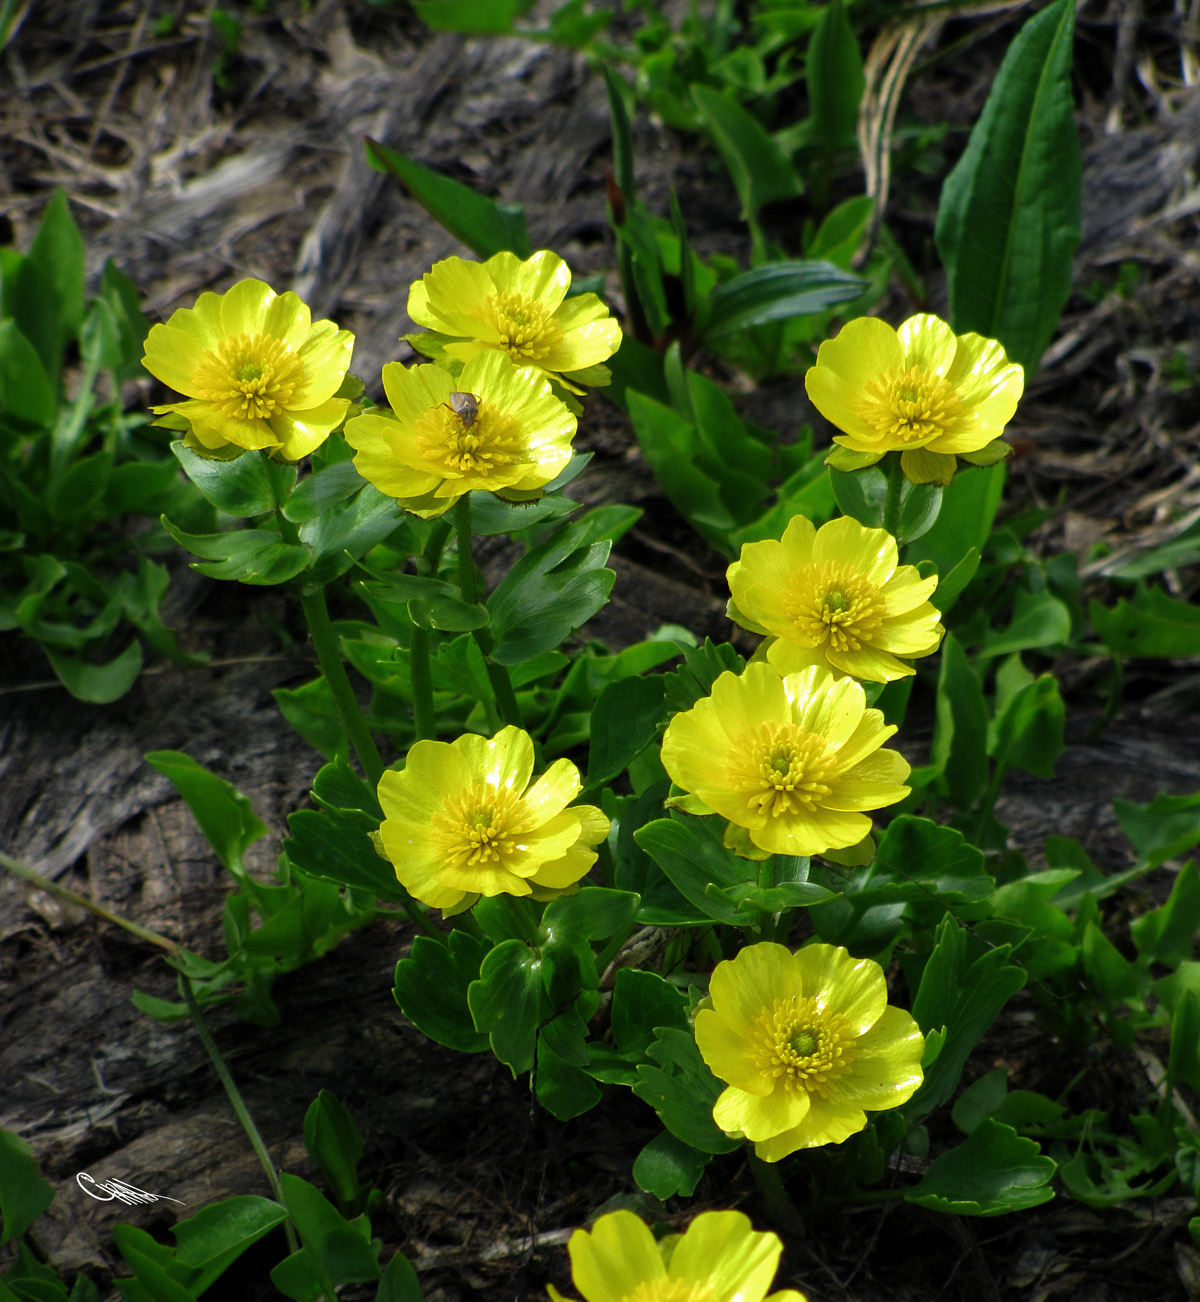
[[422, 685], [239, 1105], [468, 582], [895, 483], [329, 657], [776, 1203]]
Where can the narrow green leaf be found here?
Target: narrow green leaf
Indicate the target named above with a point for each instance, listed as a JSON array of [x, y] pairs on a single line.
[[26, 391], [835, 77], [24, 1194], [778, 291], [1152, 624], [483, 225], [479, 17], [224, 815], [960, 732], [1009, 218]]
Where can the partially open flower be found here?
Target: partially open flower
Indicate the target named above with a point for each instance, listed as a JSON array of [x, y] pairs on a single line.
[[519, 308], [807, 1043], [256, 370], [835, 596], [922, 390], [720, 1258], [792, 761], [496, 427], [462, 820]]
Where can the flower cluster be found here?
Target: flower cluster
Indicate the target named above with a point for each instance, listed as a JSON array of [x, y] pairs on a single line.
[[805, 1042], [720, 1258]]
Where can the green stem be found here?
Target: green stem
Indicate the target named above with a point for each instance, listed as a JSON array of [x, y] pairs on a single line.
[[422, 685], [468, 583], [329, 657], [989, 799], [895, 484], [52, 888], [776, 1203], [239, 1106]]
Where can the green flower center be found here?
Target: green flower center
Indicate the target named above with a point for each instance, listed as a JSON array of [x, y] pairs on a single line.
[[249, 377], [909, 405], [834, 606], [804, 1044], [788, 768]]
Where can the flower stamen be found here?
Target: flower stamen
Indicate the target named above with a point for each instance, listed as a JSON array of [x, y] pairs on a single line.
[[248, 377], [788, 768], [912, 404], [835, 606]]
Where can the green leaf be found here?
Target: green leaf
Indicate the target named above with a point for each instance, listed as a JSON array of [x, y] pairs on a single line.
[[475, 16], [224, 815], [482, 225], [1040, 622], [431, 989], [1164, 829], [760, 170], [964, 521], [24, 1195], [509, 1002], [778, 291], [333, 1141], [594, 913], [45, 295], [964, 996], [1152, 624], [26, 390], [1183, 1066], [343, 1248], [952, 585], [244, 486], [1029, 734], [254, 556], [679, 1086], [702, 666], [347, 530], [1009, 218], [667, 1167], [689, 850], [159, 1278], [642, 1003], [993, 1172], [312, 712], [125, 303], [563, 1089], [625, 720], [863, 495], [959, 748], [1167, 935], [98, 684], [399, 1282], [556, 587], [835, 79], [334, 847], [218, 1234]]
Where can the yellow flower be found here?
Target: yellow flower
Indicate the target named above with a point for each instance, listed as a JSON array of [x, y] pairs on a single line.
[[512, 436], [791, 760], [519, 308], [721, 1258], [805, 1042], [461, 820], [257, 371], [921, 389], [835, 596]]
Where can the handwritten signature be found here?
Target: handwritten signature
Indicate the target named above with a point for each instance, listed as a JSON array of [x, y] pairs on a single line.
[[118, 1189]]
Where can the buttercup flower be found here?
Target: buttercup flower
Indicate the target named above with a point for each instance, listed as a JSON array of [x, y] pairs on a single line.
[[461, 820], [256, 370], [835, 596], [806, 1042], [922, 390], [721, 1258], [792, 761], [512, 436], [521, 309]]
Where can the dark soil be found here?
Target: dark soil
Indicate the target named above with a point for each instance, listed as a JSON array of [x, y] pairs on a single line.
[[190, 184]]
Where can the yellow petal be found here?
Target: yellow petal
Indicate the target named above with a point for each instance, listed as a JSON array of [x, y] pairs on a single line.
[[722, 1254], [432, 771], [246, 306], [869, 664], [873, 783], [760, 1116], [928, 342], [885, 1070], [302, 432], [728, 1050], [326, 355], [545, 277], [872, 552], [925, 467], [172, 355], [617, 1257], [852, 988]]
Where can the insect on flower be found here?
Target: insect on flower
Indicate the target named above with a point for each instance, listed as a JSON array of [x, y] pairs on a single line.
[[465, 406]]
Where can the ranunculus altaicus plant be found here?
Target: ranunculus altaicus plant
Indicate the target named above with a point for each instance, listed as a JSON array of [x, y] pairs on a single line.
[[521, 309], [256, 372], [807, 1044], [496, 427], [462, 819], [720, 1258], [921, 390], [792, 761], [835, 596]]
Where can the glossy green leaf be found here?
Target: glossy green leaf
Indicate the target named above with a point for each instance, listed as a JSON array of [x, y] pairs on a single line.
[[97, 684], [1029, 734], [244, 486], [218, 1234], [344, 531], [965, 519], [333, 1141], [312, 712], [1040, 621], [778, 291], [642, 1003], [563, 1089], [679, 1086], [667, 1167], [993, 1172], [689, 850], [835, 77], [593, 913], [26, 391], [625, 721], [1151, 624], [45, 294], [333, 846], [431, 989], [509, 1002], [556, 587], [254, 556], [320, 491], [1009, 218], [951, 586], [224, 815], [399, 1282], [482, 225], [24, 1195], [159, 1277]]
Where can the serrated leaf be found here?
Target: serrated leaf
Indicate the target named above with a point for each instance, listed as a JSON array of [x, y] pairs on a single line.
[[992, 1172]]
